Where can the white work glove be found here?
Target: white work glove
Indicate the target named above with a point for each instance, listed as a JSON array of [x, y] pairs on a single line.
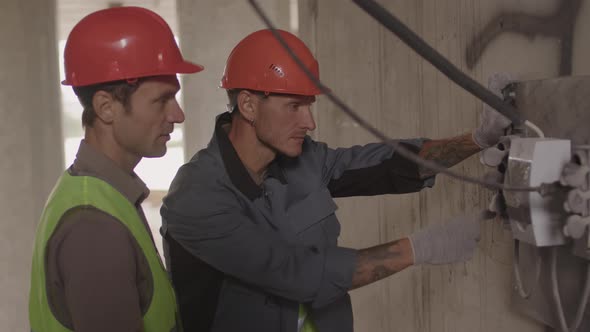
[[493, 124], [452, 242]]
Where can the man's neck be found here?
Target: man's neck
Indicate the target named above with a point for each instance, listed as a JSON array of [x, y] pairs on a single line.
[[254, 154], [103, 144]]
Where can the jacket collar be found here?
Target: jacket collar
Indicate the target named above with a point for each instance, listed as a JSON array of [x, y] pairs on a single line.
[[234, 167]]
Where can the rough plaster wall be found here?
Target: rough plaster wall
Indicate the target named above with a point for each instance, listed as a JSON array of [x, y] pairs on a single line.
[[581, 48], [30, 143], [208, 31], [404, 96]]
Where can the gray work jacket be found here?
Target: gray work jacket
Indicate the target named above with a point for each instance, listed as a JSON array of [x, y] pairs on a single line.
[[242, 256]]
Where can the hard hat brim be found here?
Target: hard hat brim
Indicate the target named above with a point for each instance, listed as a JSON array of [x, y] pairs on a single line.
[[184, 67], [187, 67]]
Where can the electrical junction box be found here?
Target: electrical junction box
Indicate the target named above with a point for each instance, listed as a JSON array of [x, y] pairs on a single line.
[[535, 219], [561, 108]]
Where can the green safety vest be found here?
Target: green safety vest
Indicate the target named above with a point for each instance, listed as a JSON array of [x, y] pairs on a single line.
[[74, 191], [308, 325]]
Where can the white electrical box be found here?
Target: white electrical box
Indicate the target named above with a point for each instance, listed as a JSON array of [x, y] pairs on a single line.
[[535, 219]]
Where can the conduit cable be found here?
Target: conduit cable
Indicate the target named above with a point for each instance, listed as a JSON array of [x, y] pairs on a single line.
[[416, 43]]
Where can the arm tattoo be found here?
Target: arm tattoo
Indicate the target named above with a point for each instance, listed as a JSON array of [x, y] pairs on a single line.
[[447, 152], [381, 261]]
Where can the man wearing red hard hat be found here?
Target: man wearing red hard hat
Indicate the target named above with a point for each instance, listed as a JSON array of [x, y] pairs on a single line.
[[250, 221], [95, 266]]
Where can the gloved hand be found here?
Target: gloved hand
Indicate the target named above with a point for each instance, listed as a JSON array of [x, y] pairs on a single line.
[[493, 124], [452, 242]]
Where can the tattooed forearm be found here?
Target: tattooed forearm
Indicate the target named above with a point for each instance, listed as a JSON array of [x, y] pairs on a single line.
[[381, 261], [447, 152]]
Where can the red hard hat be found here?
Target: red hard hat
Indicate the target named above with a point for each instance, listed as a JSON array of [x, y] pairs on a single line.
[[122, 43], [260, 63]]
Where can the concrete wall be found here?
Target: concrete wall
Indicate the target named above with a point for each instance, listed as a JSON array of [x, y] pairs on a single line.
[[30, 144], [404, 96]]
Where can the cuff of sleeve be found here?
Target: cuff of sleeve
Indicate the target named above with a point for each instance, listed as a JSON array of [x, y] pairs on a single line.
[[429, 182], [415, 254], [338, 271], [407, 172]]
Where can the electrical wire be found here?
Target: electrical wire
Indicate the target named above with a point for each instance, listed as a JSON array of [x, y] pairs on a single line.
[[517, 276], [374, 131], [557, 297], [534, 128]]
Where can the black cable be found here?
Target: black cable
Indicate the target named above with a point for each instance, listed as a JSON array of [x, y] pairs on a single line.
[[437, 60], [364, 124]]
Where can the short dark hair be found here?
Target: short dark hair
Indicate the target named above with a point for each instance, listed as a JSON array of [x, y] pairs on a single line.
[[232, 96], [120, 90]]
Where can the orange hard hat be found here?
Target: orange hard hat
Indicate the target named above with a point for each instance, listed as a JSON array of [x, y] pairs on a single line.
[[122, 43], [260, 63]]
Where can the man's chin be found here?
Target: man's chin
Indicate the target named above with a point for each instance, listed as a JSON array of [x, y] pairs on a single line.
[[293, 153], [157, 153]]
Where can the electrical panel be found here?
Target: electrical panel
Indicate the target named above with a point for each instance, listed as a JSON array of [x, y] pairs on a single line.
[[550, 226]]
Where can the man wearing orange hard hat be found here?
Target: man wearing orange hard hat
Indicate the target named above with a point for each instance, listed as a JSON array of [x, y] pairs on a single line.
[[95, 266], [250, 221]]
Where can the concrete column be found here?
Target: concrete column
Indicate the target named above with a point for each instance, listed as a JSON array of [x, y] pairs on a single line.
[[30, 143], [208, 32]]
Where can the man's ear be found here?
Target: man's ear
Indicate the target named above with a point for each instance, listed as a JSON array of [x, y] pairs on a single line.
[[104, 106], [247, 105]]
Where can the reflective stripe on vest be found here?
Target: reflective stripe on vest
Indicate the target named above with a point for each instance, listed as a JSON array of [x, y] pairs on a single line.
[[74, 191], [304, 322]]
